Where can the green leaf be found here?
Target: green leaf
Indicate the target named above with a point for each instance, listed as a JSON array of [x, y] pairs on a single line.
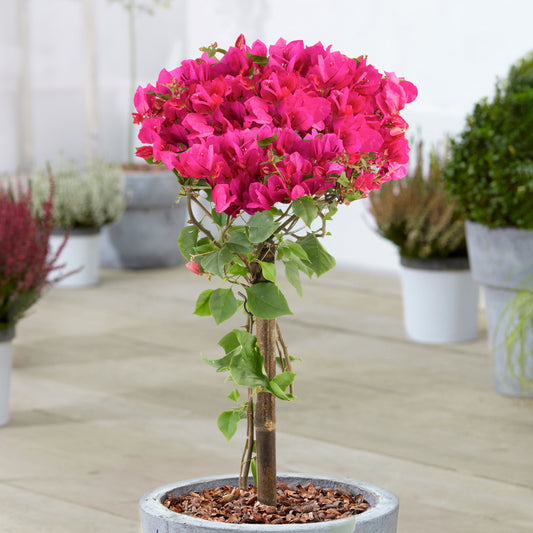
[[269, 271], [343, 180], [318, 258], [293, 276], [331, 211], [237, 338], [215, 262], [187, 241], [305, 208], [259, 60], [261, 226], [293, 249], [266, 301], [222, 364], [220, 219], [234, 395], [238, 270], [239, 243], [202, 304], [247, 369], [223, 305], [267, 141], [277, 391], [227, 423], [284, 379]]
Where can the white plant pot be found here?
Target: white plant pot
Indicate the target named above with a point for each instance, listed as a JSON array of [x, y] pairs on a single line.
[[382, 517], [440, 306], [6, 356], [81, 253]]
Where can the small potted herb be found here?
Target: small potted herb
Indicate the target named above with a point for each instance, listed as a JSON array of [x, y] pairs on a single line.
[[490, 175], [25, 266], [86, 198], [440, 299]]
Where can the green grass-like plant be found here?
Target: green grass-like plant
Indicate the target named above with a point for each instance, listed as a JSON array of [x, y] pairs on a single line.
[[490, 172], [88, 196], [516, 324], [417, 215]]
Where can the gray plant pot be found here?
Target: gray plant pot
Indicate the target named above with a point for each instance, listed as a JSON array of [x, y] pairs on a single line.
[[381, 518], [501, 260], [146, 236]]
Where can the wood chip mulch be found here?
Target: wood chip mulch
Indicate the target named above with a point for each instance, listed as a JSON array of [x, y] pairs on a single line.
[[296, 505]]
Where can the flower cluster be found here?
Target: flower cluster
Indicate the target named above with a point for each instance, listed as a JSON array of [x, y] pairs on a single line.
[[264, 126], [24, 260]]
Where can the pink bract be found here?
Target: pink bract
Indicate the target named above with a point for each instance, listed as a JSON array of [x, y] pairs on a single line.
[[268, 125]]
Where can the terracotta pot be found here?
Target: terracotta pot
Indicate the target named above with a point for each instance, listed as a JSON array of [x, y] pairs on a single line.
[[382, 517]]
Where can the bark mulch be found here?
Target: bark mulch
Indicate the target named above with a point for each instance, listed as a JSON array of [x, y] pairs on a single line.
[[296, 505]]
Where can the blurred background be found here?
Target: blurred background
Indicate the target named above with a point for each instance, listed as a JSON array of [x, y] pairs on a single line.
[[66, 69]]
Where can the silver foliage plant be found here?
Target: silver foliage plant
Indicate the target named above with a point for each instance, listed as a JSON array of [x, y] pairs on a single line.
[[85, 196]]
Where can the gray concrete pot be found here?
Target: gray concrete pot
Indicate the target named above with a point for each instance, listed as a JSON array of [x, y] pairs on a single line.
[[146, 236], [501, 260], [381, 518]]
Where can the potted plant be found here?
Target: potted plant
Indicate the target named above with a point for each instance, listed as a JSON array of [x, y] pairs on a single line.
[[440, 298], [266, 143], [490, 174], [152, 218], [25, 265], [86, 198]]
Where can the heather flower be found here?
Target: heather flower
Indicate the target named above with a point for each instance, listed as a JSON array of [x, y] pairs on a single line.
[[25, 264]]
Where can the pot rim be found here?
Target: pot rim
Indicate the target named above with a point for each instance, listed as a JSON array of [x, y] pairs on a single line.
[[7, 334], [382, 501], [76, 231], [444, 263]]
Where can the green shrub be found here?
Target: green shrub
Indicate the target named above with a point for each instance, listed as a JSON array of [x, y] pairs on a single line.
[[417, 215], [87, 196], [490, 172]]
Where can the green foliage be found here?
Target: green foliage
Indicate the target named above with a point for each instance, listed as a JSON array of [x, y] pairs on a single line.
[[87, 196], [517, 327], [490, 172], [243, 252], [417, 215]]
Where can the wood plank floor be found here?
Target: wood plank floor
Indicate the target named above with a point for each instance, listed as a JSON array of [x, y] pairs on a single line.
[[110, 398]]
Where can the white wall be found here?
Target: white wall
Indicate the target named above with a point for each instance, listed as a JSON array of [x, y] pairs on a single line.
[[453, 51]]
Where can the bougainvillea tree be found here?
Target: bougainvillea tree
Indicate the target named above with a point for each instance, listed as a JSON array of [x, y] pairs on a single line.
[[266, 143]]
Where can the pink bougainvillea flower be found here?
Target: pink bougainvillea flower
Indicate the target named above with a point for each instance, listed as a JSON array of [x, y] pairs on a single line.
[[194, 267], [268, 125]]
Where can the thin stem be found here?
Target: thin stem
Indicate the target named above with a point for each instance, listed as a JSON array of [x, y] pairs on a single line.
[[198, 224], [285, 351]]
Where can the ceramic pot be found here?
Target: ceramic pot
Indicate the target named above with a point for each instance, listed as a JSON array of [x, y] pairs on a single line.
[[502, 263], [6, 356], [81, 253], [382, 517], [440, 301], [146, 236]]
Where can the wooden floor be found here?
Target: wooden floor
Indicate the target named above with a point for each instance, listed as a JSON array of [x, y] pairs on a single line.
[[110, 398]]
